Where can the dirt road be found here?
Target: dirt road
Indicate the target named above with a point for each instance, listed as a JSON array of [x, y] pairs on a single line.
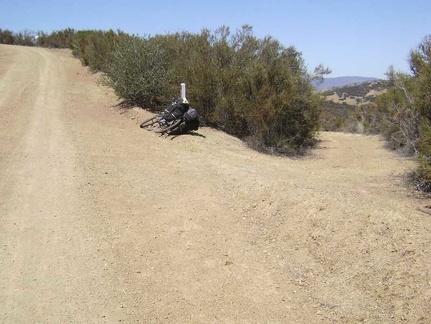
[[102, 222]]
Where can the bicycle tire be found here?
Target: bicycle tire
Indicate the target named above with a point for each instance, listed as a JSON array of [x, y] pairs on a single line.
[[162, 130], [150, 121]]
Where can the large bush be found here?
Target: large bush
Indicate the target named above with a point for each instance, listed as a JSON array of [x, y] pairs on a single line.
[[7, 37], [24, 38], [398, 114], [252, 88], [420, 64], [405, 111], [139, 72], [94, 47], [57, 39]]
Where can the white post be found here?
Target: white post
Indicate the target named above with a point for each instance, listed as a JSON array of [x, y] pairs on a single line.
[[183, 90]]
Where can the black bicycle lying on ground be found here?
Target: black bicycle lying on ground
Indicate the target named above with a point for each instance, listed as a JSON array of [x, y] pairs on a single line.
[[178, 118]]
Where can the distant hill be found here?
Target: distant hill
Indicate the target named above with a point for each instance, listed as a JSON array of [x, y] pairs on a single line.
[[339, 110], [332, 83], [359, 93]]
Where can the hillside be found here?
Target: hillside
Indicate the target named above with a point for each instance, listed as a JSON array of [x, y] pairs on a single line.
[[103, 222], [341, 106], [362, 93], [337, 82]]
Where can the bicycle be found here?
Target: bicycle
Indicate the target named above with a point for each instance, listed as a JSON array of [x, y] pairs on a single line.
[[160, 125], [179, 117]]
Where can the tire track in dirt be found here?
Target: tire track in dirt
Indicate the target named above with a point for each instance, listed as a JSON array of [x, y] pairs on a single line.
[[47, 269]]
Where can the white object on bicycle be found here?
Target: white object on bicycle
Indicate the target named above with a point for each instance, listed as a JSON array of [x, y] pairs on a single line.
[[183, 92]]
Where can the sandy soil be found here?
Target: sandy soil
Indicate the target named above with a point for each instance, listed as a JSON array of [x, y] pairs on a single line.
[[102, 222]]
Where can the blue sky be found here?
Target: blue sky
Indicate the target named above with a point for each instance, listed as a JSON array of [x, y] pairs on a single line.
[[353, 38]]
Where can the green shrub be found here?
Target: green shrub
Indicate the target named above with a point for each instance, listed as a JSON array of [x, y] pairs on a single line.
[[405, 112], [7, 37], [398, 114], [57, 39], [251, 88], [139, 72], [422, 176], [94, 47], [420, 65]]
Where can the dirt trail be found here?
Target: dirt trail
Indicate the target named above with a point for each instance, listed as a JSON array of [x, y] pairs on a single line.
[[103, 222]]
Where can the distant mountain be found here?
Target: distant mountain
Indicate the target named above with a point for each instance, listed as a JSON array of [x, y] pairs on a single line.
[[332, 83], [358, 93]]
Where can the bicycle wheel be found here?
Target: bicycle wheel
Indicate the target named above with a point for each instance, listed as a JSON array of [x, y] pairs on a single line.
[[169, 127], [150, 121]]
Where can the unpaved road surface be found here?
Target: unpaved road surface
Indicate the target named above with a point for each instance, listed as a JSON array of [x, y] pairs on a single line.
[[102, 222]]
